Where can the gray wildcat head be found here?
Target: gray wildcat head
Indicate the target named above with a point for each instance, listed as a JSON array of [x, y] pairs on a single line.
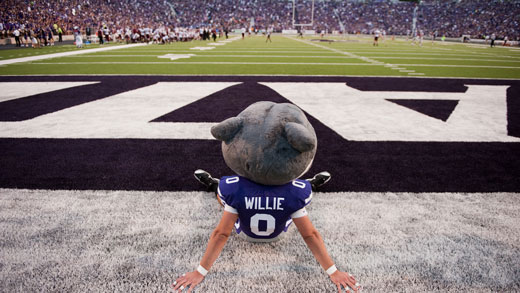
[[268, 143]]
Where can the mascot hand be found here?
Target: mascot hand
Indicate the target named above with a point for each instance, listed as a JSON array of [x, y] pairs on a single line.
[[346, 280], [191, 280]]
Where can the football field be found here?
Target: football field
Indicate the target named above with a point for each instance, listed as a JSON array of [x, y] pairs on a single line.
[[353, 56], [98, 147]]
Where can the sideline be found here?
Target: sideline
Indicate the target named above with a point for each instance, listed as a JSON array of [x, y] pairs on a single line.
[[64, 54]]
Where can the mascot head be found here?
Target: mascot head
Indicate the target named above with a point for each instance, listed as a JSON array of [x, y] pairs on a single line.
[[268, 143]]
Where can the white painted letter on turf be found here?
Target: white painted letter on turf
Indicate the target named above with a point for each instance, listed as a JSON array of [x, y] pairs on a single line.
[[480, 116]]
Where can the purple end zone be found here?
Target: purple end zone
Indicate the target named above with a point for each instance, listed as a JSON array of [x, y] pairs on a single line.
[[148, 164], [434, 108]]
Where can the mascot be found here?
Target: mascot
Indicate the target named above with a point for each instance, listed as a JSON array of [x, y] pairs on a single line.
[[269, 146]]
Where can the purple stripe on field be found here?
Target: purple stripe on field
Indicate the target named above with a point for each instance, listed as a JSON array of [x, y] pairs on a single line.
[[439, 109], [513, 111], [125, 164]]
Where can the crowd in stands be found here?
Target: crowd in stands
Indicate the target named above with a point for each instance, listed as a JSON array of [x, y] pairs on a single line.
[[182, 19]]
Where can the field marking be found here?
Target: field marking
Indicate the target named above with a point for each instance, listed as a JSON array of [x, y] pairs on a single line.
[[365, 115], [430, 54], [255, 74], [278, 63], [176, 56], [16, 90], [226, 51], [478, 53], [334, 50], [450, 59], [202, 48], [466, 66], [213, 56], [124, 115], [372, 61], [480, 115], [63, 54], [224, 63]]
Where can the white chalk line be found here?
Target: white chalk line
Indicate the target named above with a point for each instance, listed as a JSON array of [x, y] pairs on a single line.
[[225, 51], [260, 75], [393, 66], [64, 54], [217, 56], [302, 56], [201, 63]]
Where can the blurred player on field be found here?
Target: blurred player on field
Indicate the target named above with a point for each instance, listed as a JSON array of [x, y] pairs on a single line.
[[269, 36], [419, 35], [377, 35]]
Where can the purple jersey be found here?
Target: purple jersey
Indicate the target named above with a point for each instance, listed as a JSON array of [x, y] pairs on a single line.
[[264, 211]]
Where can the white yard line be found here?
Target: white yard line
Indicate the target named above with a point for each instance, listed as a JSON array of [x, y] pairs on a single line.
[[63, 54], [262, 75], [423, 54], [225, 51], [226, 63], [452, 59], [352, 55], [392, 66], [479, 53], [465, 66], [233, 56]]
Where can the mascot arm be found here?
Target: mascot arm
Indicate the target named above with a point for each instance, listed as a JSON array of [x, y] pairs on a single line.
[[218, 239], [216, 243], [313, 239]]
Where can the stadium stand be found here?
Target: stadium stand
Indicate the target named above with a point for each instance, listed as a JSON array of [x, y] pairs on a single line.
[[450, 18]]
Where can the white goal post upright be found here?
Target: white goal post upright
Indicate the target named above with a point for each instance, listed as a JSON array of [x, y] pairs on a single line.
[[302, 24]]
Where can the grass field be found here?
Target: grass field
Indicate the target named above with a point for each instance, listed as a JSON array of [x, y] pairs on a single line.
[[353, 56]]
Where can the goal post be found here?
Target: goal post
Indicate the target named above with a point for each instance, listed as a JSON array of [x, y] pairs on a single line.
[[294, 21], [414, 17]]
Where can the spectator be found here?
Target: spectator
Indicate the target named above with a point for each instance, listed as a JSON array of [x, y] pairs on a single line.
[[16, 35], [449, 17]]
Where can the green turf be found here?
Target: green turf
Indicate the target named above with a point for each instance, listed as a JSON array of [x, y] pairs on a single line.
[[28, 51], [346, 56]]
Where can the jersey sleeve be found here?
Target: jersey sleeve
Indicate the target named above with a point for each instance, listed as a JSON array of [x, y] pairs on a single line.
[[302, 190], [227, 188], [299, 213]]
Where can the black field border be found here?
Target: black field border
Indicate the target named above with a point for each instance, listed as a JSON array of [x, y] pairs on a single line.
[[167, 165]]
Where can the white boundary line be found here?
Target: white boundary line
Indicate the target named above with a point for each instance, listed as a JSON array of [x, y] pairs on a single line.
[[229, 56], [69, 53], [267, 75], [300, 56], [391, 66], [225, 51], [206, 63]]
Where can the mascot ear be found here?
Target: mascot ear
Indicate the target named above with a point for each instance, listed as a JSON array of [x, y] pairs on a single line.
[[227, 129], [300, 137]]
